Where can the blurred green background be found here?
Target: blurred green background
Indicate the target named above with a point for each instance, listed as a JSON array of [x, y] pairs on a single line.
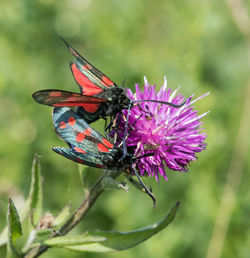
[[197, 45]]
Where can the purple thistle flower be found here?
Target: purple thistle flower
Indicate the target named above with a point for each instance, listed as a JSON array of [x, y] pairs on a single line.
[[172, 134]]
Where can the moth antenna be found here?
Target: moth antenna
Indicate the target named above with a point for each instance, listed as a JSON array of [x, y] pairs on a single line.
[[142, 109], [143, 156], [71, 49], [123, 82], [161, 102]]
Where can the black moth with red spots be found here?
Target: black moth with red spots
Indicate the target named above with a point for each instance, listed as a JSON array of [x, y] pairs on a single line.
[[100, 97], [89, 147]]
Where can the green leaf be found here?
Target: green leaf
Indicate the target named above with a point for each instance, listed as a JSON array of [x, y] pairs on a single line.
[[74, 240], [34, 201], [106, 241], [14, 224], [14, 228], [35, 198], [41, 235], [62, 216]]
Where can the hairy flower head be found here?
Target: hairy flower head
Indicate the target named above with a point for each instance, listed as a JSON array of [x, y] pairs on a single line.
[[173, 135]]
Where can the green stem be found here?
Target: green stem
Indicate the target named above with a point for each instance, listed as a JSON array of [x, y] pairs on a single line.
[[87, 203]]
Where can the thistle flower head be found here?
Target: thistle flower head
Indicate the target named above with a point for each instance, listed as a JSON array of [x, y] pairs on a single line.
[[173, 135]]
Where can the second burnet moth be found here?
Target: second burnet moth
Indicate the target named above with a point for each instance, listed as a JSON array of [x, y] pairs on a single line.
[[88, 147]]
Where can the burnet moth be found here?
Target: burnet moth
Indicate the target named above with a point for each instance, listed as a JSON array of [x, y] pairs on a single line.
[[99, 96], [87, 146]]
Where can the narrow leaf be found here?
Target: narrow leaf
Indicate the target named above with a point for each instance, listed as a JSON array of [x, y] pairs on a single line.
[[106, 241], [62, 216], [14, 227], [74, 240], [35, 196], [41, 235], [34, 202]]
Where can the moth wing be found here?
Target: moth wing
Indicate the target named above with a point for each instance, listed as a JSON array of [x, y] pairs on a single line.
[[60, 98], [86, 159], [91, 81], [79, 135]]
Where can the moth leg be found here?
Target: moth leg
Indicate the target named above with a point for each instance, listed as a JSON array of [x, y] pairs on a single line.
[[116, 134], [105, 125], [116, 121], [107, 128], [146, 190], [131, 127], [111, 123], [125, 135]]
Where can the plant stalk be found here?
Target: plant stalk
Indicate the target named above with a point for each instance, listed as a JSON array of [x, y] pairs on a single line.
[[87, 203]]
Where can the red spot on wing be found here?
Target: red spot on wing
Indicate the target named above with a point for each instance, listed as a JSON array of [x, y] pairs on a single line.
[[80, 137], [79, 150], [107, 143], [89, 103], [87, 87], [107, 81], [55, 94], [91, 108], [102, 148], [62, 125], [99, 166], [79, 160], [72, 121], [88, 131]]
